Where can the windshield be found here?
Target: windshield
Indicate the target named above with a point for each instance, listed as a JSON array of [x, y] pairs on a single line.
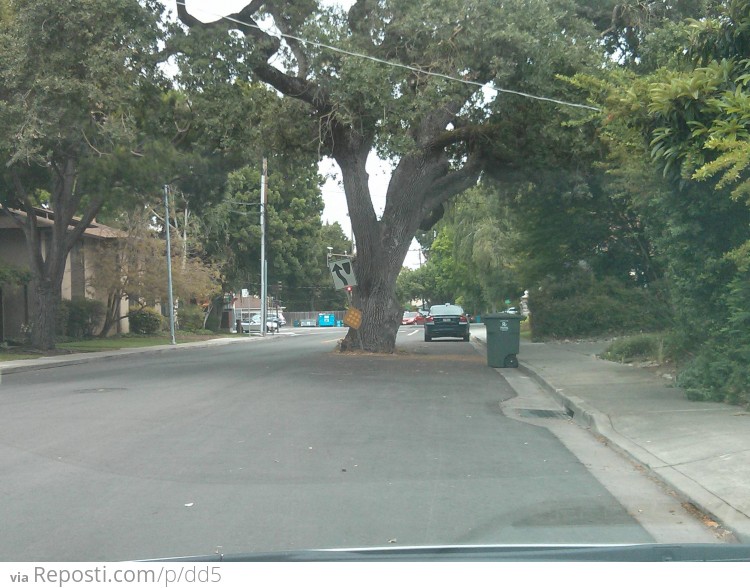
[[350, 275]]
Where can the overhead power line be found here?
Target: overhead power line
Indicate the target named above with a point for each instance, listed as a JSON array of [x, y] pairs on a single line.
[[401, 65]]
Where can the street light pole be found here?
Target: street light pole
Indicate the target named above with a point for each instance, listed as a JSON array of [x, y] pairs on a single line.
[[169, 265], [263, 264]]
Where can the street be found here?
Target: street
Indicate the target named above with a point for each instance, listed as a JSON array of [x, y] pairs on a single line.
[[282, 443]]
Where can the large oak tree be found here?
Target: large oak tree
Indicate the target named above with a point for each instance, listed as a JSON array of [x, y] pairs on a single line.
[[439, 132]]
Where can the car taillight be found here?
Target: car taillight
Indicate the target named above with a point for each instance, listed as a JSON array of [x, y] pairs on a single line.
[[430, 320], [462, 319]]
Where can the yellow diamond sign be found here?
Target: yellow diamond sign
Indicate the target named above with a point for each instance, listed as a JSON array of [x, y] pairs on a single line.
[[353, 318]]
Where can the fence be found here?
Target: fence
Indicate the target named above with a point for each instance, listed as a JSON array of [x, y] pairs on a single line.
[[300, 318]]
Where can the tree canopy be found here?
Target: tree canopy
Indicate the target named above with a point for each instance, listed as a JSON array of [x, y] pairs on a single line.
[[648, 208], [567, 145], [409, 82], [75, 80]]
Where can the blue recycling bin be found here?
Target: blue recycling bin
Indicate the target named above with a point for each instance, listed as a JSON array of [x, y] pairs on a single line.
[[326, 320]]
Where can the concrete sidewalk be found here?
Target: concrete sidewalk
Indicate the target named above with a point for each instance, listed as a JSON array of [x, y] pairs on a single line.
[[700, 449]]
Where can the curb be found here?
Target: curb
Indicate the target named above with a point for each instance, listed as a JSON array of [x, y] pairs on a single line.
[[30, 365], [689, 489]]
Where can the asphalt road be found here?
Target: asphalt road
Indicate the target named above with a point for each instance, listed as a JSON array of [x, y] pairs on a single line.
[[281, 444]]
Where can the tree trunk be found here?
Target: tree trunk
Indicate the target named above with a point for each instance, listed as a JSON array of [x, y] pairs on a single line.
[[381, 246], [423, 181], [381, 315], [112, 313], [208, 312], [48, 294], [48, 252]]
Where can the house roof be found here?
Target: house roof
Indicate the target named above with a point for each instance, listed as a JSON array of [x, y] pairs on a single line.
[[46, 218], [251, 302]]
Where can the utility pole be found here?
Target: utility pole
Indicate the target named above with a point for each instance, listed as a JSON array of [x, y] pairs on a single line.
[[263, 264], [169, 264]]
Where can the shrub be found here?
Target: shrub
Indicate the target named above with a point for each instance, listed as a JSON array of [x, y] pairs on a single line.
[[214, 318], [84, 317], [630, 348], [719, 374], [657, 347], [581, 306], [191, 318], [145, 321], [719, 368], [61, 323], [78, 318]]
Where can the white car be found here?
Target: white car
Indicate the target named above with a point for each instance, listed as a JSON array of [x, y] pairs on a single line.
[[253, 325], [278, 316]]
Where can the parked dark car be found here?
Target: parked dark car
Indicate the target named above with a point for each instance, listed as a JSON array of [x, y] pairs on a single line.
[[446, 320]]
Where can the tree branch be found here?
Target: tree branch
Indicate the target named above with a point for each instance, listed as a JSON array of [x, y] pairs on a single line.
[[30, 226], [454, 182], [230, 21], [436, 123], [358, 18], [88, 217], [292, 86], [294, 45], [458, 135]]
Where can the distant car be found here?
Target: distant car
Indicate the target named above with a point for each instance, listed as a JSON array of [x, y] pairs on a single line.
[[278, 316], [412, 318], [409, 318], [272, 325], [446, 320], [511, 310]]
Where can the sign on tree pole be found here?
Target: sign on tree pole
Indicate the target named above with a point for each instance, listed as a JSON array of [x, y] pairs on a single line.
[[342, 272]]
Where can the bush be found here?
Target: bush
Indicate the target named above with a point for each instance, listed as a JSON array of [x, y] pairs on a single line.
[[582, 306], [84, 317], [719, 368], [718, 374], [641, 347], [61, 323], [214, 318], [145, 321], [79, 318], [191, 318]]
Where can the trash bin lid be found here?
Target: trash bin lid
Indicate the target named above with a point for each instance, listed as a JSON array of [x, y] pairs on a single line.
[[504, 316]]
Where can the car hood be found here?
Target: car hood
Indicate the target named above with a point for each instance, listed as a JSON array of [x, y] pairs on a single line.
[[681, 552]]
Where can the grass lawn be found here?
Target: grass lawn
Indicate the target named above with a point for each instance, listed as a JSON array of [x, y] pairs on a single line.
[[13, 355], [108, 344]]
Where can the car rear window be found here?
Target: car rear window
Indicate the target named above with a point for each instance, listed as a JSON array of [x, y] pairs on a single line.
[[444, 309]]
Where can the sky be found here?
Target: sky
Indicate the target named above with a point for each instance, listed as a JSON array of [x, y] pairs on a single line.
[[333, 191], [335, 200]]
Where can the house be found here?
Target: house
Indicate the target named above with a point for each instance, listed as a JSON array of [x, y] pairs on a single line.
[[242, 306], [16, 300]]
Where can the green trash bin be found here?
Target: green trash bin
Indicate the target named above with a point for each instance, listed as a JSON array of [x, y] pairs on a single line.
[[503, 339]]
